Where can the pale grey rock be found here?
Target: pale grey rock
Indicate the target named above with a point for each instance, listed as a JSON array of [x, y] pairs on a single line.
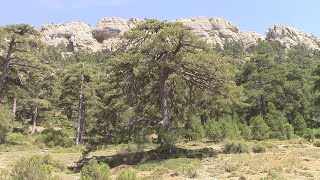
[[218, 31], [75, 36], [289, 36], [105, 36], [108, 29]]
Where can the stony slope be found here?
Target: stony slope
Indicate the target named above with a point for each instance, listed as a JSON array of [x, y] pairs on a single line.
[[104, 37]]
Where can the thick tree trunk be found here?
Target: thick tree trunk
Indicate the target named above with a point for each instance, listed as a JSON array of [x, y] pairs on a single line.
[[6, 68], [80, 122], [203, 116], [23, 115], [262, 99], [69, 112], [34, 119], [14, 105], [163, 92], [263, 105], [80, 119]]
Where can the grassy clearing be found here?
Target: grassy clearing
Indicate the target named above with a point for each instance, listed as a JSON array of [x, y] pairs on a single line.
[[179, 165], [294, 159]]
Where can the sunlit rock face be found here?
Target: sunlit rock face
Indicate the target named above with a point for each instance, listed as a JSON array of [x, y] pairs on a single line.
[[289, 36], [74, 35], [108, 30], [217, 31], [104, 36]]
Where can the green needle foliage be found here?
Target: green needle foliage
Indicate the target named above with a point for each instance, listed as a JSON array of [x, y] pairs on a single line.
[[162, 84]]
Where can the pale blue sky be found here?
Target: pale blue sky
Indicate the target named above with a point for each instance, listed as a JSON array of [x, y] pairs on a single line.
[[252, 15]]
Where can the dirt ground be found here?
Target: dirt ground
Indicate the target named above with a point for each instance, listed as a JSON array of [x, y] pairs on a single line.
[[283, 160]]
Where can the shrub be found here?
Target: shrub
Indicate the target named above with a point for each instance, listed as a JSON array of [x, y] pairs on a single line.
[[236, 148], [35, 168], [3, 134], [6, 116], [169, 138], [230, 129], [195, 130], [273, 175], [246, 132], [288, 131], [309, 135], [259, 148], [52, 138], [317, 133], [278, 124], [260, 129], [316, 143], [222, 129], [95, 171], [300, 125], [214, 131], [141, 136], [15, 137], [127, 174], [230, 168]]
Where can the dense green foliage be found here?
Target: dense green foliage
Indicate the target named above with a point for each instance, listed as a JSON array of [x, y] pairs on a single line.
[[6, 116], [95, 171], [34, 167], [51, 138], [162, 80]]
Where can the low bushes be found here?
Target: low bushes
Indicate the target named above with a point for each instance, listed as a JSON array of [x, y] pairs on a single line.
[[127, 174], [316, 143], [35, 168], [94, 171], [309, 135], [3, 133], [222, 129], [15, 137], [260, 130], [195, 130], [236, 148], [6, 117], [242, 147], [259, 148], [52, 138]]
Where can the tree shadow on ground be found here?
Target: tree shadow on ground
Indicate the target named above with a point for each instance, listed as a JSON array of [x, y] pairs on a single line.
[[134, 158]]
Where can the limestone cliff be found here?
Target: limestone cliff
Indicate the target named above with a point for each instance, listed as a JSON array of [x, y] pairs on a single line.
[[107, 30], [217, 31], [75, 36], [289, 36], [104, 37]]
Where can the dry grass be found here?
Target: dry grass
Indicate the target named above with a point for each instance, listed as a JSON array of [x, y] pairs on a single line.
[[265, 162], [294, 159]]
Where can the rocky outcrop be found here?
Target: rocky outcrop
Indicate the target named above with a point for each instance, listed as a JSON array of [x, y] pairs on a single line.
[[105, 36], [108, 29], [289, 37], [78, 35], [75, 36], [218, 30]]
